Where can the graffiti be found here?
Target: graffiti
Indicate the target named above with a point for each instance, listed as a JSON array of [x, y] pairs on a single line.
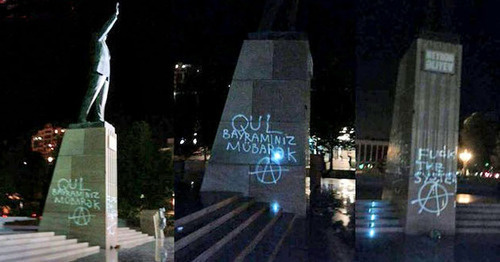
[[111, 214], [72, 192], [268, 171], [81, 216], [255, 136], [258, 138], [436, 199], [433, 196]]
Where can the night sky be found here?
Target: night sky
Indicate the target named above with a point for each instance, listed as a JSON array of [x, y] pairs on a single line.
[[385, 30], [45, 63], [355, 45]]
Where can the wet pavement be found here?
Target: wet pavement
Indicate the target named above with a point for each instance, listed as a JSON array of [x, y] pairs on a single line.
[[159, 250], [398, 247]]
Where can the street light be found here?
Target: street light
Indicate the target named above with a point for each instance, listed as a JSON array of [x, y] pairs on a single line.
[[465, 157]]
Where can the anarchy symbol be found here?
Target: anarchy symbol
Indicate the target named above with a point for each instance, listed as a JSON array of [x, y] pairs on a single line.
[[81, 216], [267, 171], [437, 195]]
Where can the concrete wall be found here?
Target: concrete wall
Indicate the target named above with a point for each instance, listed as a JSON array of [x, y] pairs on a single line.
[[82, 199], [422, 155], [261, 146]]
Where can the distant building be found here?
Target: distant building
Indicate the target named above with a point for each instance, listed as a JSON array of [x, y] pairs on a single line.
[[370, 152], [46, 141], [185, 76], [342, 159]]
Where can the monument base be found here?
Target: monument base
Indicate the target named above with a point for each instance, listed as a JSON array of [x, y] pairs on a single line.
[[261, 148], [82, 200]]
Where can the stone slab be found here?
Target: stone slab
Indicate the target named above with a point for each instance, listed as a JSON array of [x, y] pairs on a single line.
[[82, 198], [263, 132], [422, 156]]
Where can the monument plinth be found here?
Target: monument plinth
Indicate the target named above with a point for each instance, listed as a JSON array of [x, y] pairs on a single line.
[[422, 156], [82, 199], [260, 147]]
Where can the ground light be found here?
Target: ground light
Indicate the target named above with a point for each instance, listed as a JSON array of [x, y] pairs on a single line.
[[372, 233], [275, 207]]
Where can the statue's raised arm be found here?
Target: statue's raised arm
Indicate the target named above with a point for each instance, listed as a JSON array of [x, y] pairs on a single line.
[[109, 24], [97, 92]]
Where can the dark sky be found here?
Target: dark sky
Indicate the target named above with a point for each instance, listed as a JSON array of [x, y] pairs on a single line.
[[211, 35], [45, 55], [45, 62], [384, 31]]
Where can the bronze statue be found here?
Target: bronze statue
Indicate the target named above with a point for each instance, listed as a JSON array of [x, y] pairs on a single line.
[[99, 75], [279, 8]]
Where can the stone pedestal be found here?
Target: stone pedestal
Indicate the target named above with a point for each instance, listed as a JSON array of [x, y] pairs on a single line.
[[82, 199], [150, 223], [260, 147], [422, 156]]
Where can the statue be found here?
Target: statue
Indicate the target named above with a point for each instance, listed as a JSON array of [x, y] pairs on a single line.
[[163, 219], [272, 9], [99, 75]]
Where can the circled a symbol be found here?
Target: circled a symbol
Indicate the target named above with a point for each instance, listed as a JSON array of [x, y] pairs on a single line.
[[81, 216], [267, 171], [435, 200]]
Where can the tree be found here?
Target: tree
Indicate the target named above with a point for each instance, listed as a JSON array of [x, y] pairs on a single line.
[[330, 136], [479, 137], [145, 174]]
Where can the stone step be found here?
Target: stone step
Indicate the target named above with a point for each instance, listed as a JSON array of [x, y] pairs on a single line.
[[135, 242], [379, 229], [22, 241], [368, 216], [132, 237], [475, 216], [195, 224], [20, 256], [247, 239], [25, 235], [478, 210], [205, 246], [485, 223], [45, 244], [128, 233], [124, 229], [268, 247], [69, 255], [207, 210], [128, 238], [200, 227], [478, 230], [377, 223], [372, 203], [374, 209], [210, 252], [479, 205]]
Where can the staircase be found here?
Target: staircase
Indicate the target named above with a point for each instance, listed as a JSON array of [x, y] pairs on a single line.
[[128, 238], [478, 218], [43, 246], [376, 216], [234, 229]]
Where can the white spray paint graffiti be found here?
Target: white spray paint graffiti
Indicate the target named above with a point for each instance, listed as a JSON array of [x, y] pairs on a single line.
[[81, 216], [72, 192], [257, 138], [433, 197], [111, 214]]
